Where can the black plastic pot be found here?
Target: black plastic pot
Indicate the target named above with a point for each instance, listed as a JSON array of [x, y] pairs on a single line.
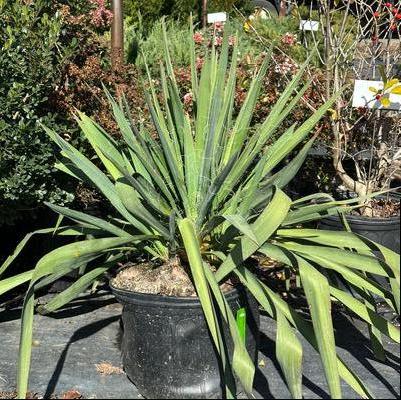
[[167, 349], [385, 231]]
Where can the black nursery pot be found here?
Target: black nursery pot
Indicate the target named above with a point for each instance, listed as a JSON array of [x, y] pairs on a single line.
[[385, 231], [167, 349]]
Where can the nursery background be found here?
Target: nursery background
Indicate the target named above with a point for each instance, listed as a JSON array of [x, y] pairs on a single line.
[[308, 93]]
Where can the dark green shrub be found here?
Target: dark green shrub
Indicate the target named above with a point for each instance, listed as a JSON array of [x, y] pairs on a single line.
[[53, 58], [31, 56]]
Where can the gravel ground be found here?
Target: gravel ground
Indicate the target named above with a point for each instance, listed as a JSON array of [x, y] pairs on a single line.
[[77, 350]]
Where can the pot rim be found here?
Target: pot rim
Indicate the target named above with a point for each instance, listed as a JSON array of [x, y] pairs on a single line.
[[360, 219], [130, 297]]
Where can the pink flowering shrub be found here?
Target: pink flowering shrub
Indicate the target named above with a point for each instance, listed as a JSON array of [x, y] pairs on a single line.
[[286, 66], [213, 35], [101, 16], [198, 37], [282, 69]]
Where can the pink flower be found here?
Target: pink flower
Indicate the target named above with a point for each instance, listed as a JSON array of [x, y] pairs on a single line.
[[289, 39], [218, 41], [199, 63], [198, 37], [188, 97], [286, 67], [218, 26]]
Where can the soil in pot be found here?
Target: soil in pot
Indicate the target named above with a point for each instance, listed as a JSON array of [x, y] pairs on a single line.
[[380, 208], [167, 349], [169, 279]]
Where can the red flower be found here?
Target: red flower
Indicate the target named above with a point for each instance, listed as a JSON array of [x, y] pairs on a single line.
[[398, 16], [393, 27], [388, 4], [376, 14], [378, 96]]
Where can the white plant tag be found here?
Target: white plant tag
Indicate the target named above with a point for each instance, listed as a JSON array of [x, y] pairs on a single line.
[[308, 25], [364, 97], [217, 17]]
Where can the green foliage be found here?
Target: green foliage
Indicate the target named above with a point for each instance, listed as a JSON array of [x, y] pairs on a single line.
[[150, 43], [251, 44], [149, 11], [52, 59], [30, 61], [203, 193], [152, 10], [272, 32]]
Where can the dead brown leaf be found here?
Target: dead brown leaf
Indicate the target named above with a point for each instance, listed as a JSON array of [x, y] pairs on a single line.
[[71, 394], [105, 368], [13, 395]]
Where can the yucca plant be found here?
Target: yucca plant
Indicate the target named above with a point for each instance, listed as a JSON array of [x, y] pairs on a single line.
[[204, 192]]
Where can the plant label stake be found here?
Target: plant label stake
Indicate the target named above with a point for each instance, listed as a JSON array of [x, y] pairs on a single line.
[[375, 95], [308, 25], [216, 17], [241, 323]]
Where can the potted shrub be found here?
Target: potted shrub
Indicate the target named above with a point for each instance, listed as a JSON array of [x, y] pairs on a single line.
[[362, 41], [200, 201]]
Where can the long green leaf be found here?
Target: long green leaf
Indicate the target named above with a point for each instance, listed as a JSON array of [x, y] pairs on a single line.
[[242, 362], [241, 127], [317, 292], [343, 257], [98, 178], [289, 356], [273, 304], [354, 277], [79, 216], [192, 248], [72, 291], [367, 314], [265, 225], [64, 230], [14, 281]]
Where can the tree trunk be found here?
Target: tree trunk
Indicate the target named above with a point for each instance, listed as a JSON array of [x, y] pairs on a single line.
[[117, 34], [204, 13]]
